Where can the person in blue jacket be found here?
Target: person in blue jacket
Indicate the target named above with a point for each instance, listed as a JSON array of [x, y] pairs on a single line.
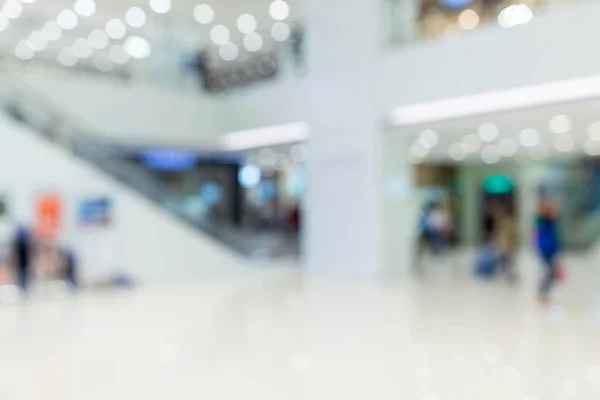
[[548, 244]]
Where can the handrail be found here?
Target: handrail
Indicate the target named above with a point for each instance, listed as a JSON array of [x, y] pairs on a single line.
[[20, 86]]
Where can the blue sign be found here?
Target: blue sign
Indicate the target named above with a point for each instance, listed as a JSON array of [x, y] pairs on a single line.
[[95, 211], [454, 4], [169, 159]]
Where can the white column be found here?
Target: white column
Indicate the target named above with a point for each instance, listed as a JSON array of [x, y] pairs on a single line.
[[400, 208], [343, 229], [342, 225]]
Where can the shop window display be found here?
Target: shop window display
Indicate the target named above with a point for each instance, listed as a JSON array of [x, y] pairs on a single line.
[[439, 18]]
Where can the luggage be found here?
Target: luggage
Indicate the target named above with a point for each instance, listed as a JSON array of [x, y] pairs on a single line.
[[487, 262]]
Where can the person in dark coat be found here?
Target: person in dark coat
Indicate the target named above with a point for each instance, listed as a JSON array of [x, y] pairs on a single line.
[[22, 254]]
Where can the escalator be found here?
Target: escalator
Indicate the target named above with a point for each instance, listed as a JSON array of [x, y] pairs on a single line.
[[50, 123]]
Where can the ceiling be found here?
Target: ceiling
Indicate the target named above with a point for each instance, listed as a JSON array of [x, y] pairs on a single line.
[[172, 34], [526, 134]]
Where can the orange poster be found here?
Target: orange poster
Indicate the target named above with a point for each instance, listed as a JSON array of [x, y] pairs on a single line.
[[48, 215]]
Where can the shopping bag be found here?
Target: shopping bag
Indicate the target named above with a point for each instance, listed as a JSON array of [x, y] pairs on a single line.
[[487, 262]]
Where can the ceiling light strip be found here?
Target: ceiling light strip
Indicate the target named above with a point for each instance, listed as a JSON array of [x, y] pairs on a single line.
[[497, 101], [265, 136]]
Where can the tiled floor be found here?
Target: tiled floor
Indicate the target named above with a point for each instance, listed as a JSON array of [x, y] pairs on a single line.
[[274, 335]]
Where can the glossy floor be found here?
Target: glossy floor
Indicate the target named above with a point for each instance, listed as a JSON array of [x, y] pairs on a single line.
[[275, 335]]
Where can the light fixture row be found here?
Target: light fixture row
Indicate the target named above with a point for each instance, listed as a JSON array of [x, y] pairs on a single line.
[[133, 47], [529, 139]]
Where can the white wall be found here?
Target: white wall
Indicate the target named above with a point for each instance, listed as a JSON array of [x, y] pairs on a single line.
[[133, 113], [557, 44], [153, 246]]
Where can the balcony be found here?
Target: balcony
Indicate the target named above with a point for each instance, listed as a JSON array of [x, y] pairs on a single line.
[[423, 20]]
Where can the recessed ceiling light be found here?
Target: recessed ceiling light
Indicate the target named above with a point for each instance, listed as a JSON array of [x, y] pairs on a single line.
[[12, 9], [98, 39], [204, 14], [457, 152], [471, 143], [529, 137], [489, 154], [37, 41], [513, 15], [488, 132], [51, 31], [24, 51], [279, 10], [67, 58], [508, 147], [85, 8], [418, 151], [160, 6], [594, 130], [4, 23], [67, 20], [135, 17], [246, 23], [428, 139], [267, 157], [219, 34], [116, 29], [560, 124], [253, 42], [228, 51], [468, 19], [564, 143], [137, 47], [280, 31], [82, 48], [521, 14]]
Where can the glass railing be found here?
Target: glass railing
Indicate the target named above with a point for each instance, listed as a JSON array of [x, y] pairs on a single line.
[[412, 20], [25, 105], [251, 61]]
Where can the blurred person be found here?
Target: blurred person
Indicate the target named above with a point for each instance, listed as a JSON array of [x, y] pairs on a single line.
[[548, 245], [70, 268], [199, 65], [297, 40], [439, 223], [433, 226], [504, 238], [202, 68], [293, 218], [22, 256]]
